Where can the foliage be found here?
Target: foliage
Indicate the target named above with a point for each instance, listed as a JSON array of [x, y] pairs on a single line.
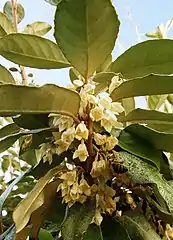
[[84, 163]]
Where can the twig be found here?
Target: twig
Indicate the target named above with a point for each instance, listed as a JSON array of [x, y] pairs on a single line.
[[15, 20]]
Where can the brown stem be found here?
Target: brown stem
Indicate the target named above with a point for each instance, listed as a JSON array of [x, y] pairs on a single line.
[[1, 224], [15, 20]]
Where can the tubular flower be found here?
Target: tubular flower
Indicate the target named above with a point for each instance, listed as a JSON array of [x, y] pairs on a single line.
[[92, 99], [78, 83], [98, 217], [116, 108], [62, 146], [111, 142], [81, 152], [96, 114], [98, 167], [84, 187], [68, 135], [69, 177], [63, 122], [115, 82], [99, 139], [105, 102], [81, 132]]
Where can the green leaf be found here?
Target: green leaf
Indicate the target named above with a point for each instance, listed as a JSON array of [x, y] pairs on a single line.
[[153, 56], [78, 220], [79, 32], [30, 156], [142, 172], [9, 11], [32, 121], [11, 234], [27, 50], [156, 101], [112, 229], [93, 233], [104, 67], [73, 74], [161, 141], [37, 28], [137, 226], [6, 26], [149, 85], [32, 202], [44, 235], [5, 163], [9, 130], [103, 80], [128, 104], [5, 75], [53, 2], [140, 147], [8, 190], [35, 100], [147, 116]]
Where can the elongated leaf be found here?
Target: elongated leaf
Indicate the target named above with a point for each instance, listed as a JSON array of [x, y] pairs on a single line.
[[6, 26], [73, 74], [161, 141], [149, 85], [147, 116], [143, 173], [37, 28], [5, 76], [93, 232], [11, 234], [9, 11], [103, 80], [77, 221], [128, 104], [156, 101], [8, 190], [53, 2], [32, 202], [140, 147], [36, 100], [79, 32], [105, 66], [27, 50], [45, 235], [8, 130], [152, 56], [112, 229], [137, 226]]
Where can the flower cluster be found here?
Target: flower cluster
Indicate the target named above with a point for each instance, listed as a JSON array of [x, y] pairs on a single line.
[[72, 189]]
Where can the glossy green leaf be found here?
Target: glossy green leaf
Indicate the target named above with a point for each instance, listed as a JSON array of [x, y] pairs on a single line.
[[6, 26], [138, 226], [156, 101], [79, 32], [27, 50], [93, 233], [37, 28], [5, 76], [78, 220], [103, 81], [112, 229], [152, 56], [142, 172], [140, 147], [35, 100], [9, 11], [53, 2], [8, 130], [44, 235], [149, 85], [147, 116], [8, 190], [161, 141]]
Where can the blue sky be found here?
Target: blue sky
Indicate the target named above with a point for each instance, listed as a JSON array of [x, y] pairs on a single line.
[[146, 15]]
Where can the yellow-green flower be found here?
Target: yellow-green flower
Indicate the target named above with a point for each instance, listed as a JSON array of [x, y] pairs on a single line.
[[81, 152], [81, 132]]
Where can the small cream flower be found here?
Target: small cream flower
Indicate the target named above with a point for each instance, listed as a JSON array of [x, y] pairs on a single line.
[[78, 83], [92, 99], [84, 187], [106, 123], [99, 139], [69, 177], [111, 142], [115, 82], [116, 108], [98, 218], [89, 88], [68, 135], [81, 152], [105, 102], [96, 114], [98, 168], [63, 122], [81, 132], [62, 146]]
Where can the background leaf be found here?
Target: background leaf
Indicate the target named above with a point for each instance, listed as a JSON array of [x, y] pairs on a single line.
[[79, 32], [5, 75], [53, 2], [9, 11], [77, 221], [37, 28], [103, 80], [152, 56], [6, 26], [156, 101], [27, 50]]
